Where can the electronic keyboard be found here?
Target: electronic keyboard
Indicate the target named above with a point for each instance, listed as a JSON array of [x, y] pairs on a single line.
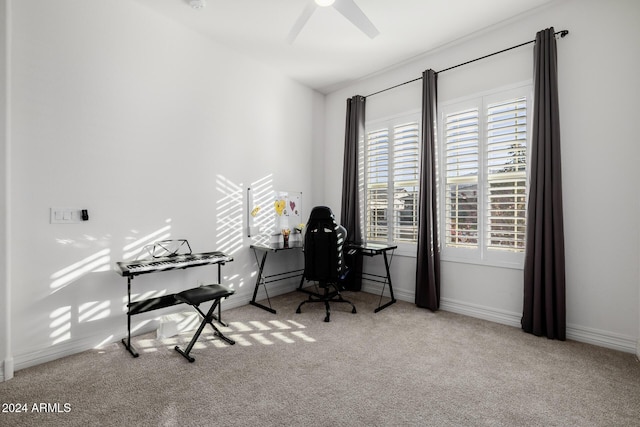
[[173, 262]]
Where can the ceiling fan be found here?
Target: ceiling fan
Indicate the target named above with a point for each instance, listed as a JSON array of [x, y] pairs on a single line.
[[348, 8]]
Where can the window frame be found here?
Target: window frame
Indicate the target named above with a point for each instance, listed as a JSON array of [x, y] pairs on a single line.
[[389, 123], [481, 254]]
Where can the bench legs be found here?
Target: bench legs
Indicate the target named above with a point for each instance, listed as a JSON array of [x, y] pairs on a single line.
[[194, 297]]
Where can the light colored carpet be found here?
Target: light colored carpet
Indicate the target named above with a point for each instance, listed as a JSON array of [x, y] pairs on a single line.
[[403, 366]]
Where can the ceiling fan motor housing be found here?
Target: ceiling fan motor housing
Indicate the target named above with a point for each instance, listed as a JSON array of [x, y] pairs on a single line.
[[197, 4]]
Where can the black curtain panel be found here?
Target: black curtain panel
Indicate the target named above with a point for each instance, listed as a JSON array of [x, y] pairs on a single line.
[[544, 311], [428, 256], [350, 209]]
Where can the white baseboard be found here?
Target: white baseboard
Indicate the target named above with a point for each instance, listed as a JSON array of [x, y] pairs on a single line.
[[481, 312], [574, 332], [42, 355], [399, 294], [602, 338], [7, 370], [37, 356]]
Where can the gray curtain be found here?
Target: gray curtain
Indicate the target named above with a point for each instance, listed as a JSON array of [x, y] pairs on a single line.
[[350, 209], [428, 257], [544, 311]]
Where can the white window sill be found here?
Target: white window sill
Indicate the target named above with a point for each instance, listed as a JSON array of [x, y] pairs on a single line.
[[488, 263]]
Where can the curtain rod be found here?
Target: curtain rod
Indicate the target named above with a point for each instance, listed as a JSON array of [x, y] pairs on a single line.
[[562, 33]]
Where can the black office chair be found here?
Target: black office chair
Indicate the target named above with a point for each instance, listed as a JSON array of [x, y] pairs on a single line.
[[323, 259]]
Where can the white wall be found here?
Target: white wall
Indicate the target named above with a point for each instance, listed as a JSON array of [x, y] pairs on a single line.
[[5, 358], [158, 132], [599, 149]]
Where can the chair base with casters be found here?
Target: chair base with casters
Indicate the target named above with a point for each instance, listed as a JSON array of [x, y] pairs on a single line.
[[197, 296], [326, 297]]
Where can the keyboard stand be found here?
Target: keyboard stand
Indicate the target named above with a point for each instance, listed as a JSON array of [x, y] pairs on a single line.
[[142, 307], [149, 304]]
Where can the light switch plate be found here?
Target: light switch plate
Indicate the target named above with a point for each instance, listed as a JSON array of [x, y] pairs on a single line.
[[66, 215]]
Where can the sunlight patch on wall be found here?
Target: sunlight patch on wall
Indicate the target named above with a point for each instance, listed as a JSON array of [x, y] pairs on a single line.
[[82, 242], [141, 325], [94, 310], [61, 324], [229, 229], [135, 249], [142, 297], [189, 322], [97, 262], [262, 201], [229, 281]]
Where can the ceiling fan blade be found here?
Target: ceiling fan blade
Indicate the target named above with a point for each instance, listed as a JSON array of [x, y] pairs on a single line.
[[350, 10], [301, 21]]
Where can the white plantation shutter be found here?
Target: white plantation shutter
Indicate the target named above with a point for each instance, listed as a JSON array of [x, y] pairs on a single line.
[[392, 159], [377, 184], [506, 174], [484, 177], [405, 182], [461, 178]]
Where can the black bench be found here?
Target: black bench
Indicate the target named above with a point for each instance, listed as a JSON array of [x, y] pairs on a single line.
[[197, 296]]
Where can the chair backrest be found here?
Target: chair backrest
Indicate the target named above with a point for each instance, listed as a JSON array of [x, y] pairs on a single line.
[[323, 241]]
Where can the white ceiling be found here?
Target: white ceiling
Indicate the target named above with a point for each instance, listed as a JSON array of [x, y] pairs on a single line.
[[330, 50]]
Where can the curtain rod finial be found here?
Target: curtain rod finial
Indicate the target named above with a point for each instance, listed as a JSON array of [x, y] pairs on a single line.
[[563, 33]]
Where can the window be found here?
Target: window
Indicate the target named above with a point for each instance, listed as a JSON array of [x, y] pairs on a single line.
[[391, 172], [484, 158]]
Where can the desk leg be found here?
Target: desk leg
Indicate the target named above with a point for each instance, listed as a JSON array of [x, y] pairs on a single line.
[[219, 317], [258, 283], [127, 341], [386, 265]]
